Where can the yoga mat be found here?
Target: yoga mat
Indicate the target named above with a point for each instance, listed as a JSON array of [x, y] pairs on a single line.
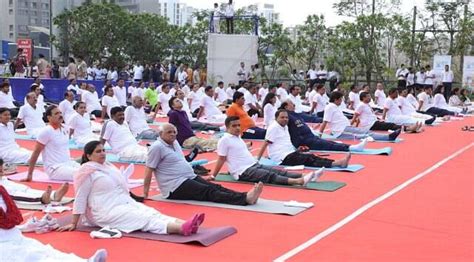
[[73, 145], [115, 159], [349, 168], [42, 177], [328, 186], [24, 137], [331, 137], [368, 151], [204, 236], [39, 206], [262, 206]]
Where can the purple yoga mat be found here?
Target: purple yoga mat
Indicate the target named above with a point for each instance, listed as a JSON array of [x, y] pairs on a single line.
[[204, 236]]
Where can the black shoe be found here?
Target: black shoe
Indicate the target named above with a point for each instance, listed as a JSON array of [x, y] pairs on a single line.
[[191, 156], [137, 198], [430, 121], [395, 134], [200, 170]]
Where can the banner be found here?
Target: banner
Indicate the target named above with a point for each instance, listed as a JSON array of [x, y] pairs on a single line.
[[439, 61], [468, 72], [27, 46]]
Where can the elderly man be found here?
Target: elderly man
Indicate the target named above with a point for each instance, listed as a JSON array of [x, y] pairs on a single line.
[[31, 115], [137, 120], [6, 99], [53, 143], [117, 133], [67, 106], [177, 180]]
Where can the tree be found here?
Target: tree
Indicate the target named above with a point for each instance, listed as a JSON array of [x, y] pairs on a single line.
[[311, 42]]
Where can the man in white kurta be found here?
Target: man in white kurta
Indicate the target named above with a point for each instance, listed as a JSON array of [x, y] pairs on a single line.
[[136, 118], [80, 126], [53, 144], [67, 106], [31, 115]]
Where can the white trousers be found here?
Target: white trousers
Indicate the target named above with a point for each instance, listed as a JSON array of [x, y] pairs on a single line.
[[402, 120], [63, 171], [135, 153], [18, 156]]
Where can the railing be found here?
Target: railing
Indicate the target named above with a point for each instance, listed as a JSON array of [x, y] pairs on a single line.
[[254, 18]]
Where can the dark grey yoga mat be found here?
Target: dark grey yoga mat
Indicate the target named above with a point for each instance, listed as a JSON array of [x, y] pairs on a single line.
[[204, 236]]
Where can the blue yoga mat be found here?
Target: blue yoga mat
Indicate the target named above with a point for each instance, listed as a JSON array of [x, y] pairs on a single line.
[[24, 137], [115, 159], [331, 137], [349, 168], [368, 151]]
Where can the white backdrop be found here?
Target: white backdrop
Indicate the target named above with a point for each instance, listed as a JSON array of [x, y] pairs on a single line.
[[439, 61], [468, 72], [224, 54]]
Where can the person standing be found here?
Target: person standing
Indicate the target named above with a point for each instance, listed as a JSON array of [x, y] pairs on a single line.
[[216, 18], [401, 75], [41, 64], [242, 73], [448, 77], [19, 64], [71, 69], [81, 68], [229, 17]]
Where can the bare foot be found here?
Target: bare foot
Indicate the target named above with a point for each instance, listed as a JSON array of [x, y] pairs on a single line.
[[61, 192], [412, 128], [345, 161], [254, 194], [46, 197]]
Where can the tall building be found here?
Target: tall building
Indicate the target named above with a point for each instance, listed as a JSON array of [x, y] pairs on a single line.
[[176, 12], [268, 11], [21, 18]]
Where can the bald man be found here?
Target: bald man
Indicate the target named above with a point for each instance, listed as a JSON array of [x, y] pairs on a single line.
[[137, 120], [177, 180]]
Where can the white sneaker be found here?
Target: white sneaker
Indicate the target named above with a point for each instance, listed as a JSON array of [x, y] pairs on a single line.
[[106, 232], [50, 222], [30, 226]]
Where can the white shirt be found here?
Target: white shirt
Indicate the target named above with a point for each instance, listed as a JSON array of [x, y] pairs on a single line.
[[242, 73], [262, 92], [39, 102], [310, 95], [7, 133], [420, 78], [229, 10], [136, 119], [298, 103], [67, 109], [426, 99], [354, 98], [81, 126], [336, 119], [321, 102], [121, 94], [410, 79], [448, 76], [74, 88], [282, 93], [56, 147], [430, 75], [393, 109], [366, 115], [139, 92], [230, 92], [187, 110], [238, 157], [381, 97], [401, 73], [413, 101], [32, 117], [210, 108], [439, 101], [312, 74], [186, 89], [6, 100], [164, 99], [405, 106], [138, 72], [196, 98], [92, 101], [322, 74], [269, 111], [118, 136], [131, 89], [221, 95], [182, 77], [280, 144], [109, 102], [249, 100]]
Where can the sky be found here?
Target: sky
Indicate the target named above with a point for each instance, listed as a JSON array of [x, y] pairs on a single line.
[[294, 12]]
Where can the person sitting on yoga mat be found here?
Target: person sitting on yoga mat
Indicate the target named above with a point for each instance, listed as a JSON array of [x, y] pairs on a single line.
[[20, 192], [281, 151], [102, 198], [137, 120], [232, 150], [208, 107], [16, 247], [53, 144], [176, 178], [302, 135], [439, 101], [31, 114], [195, 125], [7, 100], [10, 151], [426, 104], [248, 128], [393, 114], [80, 126], [341, 127], [408, 104], [365, 118], [120, 138]]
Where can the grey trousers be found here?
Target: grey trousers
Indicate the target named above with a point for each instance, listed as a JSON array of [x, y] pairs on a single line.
[[267, 175]]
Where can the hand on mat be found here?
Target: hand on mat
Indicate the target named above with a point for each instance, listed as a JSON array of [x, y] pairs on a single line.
[[70, 227]]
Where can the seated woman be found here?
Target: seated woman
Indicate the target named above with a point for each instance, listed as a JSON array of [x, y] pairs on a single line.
[[269, 108], [439, 101], [80, 125], [20, 192], [103, 199], [455, 100], [10, 151]]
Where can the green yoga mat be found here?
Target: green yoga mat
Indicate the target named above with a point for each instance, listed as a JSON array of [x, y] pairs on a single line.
[[328, 186]]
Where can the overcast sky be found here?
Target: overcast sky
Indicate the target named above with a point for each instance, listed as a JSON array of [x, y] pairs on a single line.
[[294, 12]]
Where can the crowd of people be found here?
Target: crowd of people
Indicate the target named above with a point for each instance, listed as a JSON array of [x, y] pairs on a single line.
[[291, 124]]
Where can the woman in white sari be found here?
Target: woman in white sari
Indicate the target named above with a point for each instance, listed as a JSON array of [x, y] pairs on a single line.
[[80, 125], [103, 199]]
